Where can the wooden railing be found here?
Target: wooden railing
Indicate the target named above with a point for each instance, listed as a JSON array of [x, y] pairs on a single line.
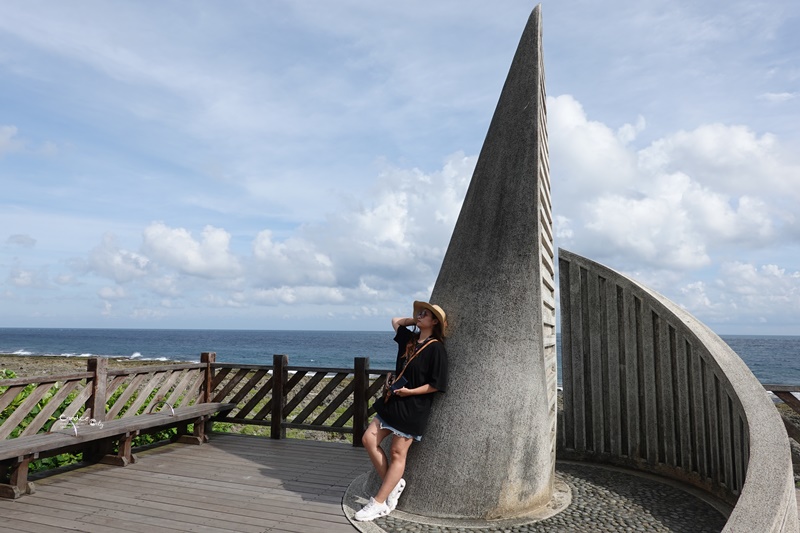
[[282, 396], [278, 396], [784, 393], [97, 395]]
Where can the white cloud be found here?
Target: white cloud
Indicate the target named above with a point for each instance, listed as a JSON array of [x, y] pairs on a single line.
[[294, 295], [397, 234], [745, 293], [147, 314], [293, 261], [694, 296], [28, 278], [310, 150], [678, 200], [627, 133], [25, 241], [209, 257], [66, 280], [690, 214], [652, 230], [22, 278], [590, 156], [166, 285], [8, 141], [111, 293], [732, 158], [388, 241], [767, 283], [777, 98], [109, 261]]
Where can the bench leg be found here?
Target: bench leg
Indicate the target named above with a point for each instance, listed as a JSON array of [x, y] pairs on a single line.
[[18, 480], [94, 452], [200, 428], [198, 435], [124, 455]]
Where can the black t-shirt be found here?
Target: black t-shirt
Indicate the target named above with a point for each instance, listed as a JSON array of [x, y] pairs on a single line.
[[409, 414]]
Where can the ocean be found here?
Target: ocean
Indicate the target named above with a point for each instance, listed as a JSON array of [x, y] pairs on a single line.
[[773, 359]]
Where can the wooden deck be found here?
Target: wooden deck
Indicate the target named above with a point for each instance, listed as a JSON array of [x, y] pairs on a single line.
[[233, 483]]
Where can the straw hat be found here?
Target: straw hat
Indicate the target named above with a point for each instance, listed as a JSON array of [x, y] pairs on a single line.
[[437, 311]]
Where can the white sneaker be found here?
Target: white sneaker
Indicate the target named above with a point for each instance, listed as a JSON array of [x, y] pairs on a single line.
[[372, 510], [391, 501]]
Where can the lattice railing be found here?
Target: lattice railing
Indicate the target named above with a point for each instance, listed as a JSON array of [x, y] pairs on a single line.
[[282, 397], [40, 404], [31, 405], [278, 396]]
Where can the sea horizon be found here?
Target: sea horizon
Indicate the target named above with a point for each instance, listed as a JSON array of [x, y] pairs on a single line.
[[304, 329], [772, 358]]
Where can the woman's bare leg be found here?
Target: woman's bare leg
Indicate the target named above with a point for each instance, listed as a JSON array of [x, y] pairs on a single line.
[[397, 466], [373, 436]]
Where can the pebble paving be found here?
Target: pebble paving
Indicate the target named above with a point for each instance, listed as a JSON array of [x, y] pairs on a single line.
[[603, 500]]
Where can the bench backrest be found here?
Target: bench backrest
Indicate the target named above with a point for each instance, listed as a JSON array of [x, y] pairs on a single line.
[[36, 405]]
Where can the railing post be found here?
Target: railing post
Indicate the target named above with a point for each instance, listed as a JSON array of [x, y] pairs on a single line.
[[280, 374], [97, 401], [208, 358], [96, 404], [360, 386]]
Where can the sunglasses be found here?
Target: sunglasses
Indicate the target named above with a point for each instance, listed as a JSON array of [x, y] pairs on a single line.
[[423, 313]]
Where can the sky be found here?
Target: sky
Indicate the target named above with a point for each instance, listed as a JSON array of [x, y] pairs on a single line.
[[300, 165]]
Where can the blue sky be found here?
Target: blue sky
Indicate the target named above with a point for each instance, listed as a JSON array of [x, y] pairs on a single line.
[[300, 165]]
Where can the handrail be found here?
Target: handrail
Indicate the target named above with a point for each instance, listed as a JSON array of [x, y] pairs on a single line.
[[648, 386], [282, 396], [313, 398], [781, 388]]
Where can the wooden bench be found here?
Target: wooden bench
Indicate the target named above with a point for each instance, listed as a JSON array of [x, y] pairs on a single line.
[[95, 437]]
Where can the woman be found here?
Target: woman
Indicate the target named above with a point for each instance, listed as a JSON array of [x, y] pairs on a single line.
[[403, 409]]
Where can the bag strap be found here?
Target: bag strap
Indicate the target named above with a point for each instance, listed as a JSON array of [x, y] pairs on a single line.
[[408, 361]]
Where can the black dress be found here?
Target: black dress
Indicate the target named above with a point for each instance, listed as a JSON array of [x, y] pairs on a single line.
[[410, 414]]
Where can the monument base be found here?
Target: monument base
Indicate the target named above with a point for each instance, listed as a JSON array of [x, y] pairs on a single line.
[[358, 494], [599, 498]]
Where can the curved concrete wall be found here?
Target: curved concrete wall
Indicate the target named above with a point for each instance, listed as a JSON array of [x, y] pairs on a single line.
[[648, 386]]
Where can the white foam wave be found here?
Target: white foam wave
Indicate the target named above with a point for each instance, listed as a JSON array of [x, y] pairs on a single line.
[[136, 355]]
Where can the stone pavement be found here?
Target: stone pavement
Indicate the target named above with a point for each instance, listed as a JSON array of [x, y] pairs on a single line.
[[604, 499]]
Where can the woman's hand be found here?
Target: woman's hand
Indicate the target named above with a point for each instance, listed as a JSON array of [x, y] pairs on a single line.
[[403, 321], [424, 389]]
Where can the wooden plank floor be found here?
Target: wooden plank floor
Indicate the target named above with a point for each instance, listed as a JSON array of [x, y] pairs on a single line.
[[233, 483]]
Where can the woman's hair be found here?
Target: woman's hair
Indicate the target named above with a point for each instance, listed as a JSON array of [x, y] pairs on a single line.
[[411, 345], [437, 333]]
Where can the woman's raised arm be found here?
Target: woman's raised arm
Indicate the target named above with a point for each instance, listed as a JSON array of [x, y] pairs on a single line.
[[402, 321]]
